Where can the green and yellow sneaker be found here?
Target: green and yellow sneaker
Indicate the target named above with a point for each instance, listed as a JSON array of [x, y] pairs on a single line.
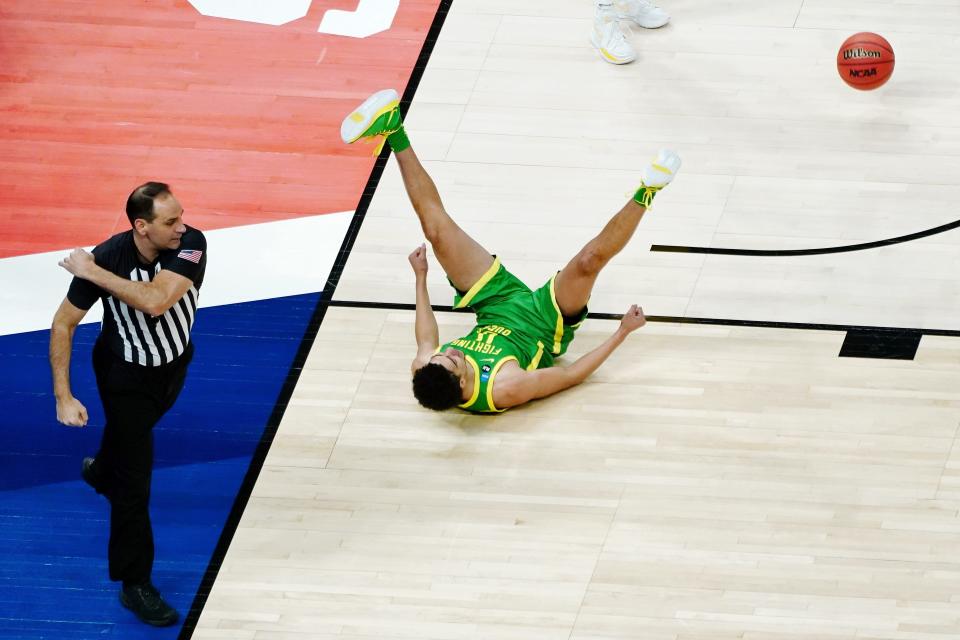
[[378, 116], [658, 174]]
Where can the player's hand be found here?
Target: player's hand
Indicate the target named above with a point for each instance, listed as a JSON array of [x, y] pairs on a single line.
[[633, 319], [80, 263], [71, 412], [418, 260]]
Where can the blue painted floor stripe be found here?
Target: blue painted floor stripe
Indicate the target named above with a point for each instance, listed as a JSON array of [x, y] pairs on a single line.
[[53, 528]]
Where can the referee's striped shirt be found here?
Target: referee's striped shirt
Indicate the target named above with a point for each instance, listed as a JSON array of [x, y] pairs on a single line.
[[133, 335]]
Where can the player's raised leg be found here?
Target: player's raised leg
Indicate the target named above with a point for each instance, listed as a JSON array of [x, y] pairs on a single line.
[[463, 259], [575, 281]]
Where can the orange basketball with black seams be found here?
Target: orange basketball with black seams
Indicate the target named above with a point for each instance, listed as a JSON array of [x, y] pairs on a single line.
[[865, 61]]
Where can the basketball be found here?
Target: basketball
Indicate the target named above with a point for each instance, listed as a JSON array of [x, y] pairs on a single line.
[[865, 61]]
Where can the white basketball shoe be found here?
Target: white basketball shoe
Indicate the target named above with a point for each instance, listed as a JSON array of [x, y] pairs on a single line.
[[643, 12], [608, 39]]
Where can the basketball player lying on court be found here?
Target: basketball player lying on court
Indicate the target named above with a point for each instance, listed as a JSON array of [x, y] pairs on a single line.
[[508, 358]]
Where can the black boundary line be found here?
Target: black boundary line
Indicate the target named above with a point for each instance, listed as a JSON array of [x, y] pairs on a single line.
[[679, 320], [807, 252], [306, 343]]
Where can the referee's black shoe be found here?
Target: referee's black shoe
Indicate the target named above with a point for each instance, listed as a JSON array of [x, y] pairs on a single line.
[[89, 475], [145, 602]]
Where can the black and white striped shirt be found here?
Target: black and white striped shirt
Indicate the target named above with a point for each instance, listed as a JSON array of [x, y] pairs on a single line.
[[133, 335]]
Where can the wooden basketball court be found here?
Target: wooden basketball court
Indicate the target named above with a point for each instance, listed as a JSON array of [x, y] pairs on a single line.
[[726, 475], [720, 481]]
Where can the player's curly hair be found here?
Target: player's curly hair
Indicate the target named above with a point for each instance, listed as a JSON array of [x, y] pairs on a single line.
[[435, 387]]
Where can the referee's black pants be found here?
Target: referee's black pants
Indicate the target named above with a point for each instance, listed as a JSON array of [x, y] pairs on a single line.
[[134, 399]]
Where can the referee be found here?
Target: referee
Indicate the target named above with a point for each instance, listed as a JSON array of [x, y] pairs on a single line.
[[149, 279]]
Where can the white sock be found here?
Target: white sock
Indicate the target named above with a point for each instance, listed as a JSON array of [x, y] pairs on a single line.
[[604, 9]]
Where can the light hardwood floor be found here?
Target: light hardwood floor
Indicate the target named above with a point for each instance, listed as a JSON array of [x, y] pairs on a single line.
[[527, 132], [708, 482]]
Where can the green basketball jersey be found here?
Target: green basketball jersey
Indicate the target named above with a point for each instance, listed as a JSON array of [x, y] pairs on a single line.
[[513, 323], [487, 349]]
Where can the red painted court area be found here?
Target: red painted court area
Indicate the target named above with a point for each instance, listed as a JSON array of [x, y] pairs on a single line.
[[242, 119]]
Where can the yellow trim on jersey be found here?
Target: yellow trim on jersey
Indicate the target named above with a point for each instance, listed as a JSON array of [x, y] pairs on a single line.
[[558, 333], [536, 359], [475, 289], [476, 382], [493, 373]]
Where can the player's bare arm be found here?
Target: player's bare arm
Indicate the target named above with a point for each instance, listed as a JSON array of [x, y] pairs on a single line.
[[425, 328], [516, 386]]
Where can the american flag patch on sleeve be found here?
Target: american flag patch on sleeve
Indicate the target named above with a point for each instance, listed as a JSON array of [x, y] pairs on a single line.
[[193, 255]]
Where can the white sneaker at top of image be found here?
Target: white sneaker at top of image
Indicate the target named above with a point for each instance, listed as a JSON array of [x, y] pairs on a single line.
[[609, 40], [643, 12]]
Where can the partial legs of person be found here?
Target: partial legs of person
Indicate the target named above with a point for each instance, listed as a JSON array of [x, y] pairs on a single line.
[[134, 399], [463, 259], [575, 281], [124, 465], [607, 36], [643, 13]]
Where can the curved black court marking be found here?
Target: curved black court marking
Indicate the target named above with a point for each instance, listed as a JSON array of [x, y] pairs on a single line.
[[667, 248], [306, 343]]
